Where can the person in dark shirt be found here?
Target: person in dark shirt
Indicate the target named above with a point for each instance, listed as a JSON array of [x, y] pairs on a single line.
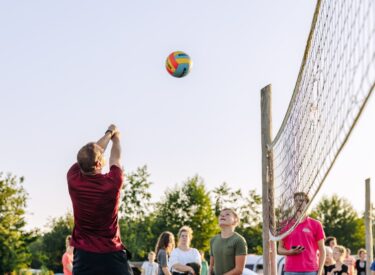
[[339, 268], [95, 197], [360, 264], [163, 249]]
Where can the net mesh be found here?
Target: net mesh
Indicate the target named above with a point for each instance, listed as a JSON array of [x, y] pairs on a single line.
[[336, 78]]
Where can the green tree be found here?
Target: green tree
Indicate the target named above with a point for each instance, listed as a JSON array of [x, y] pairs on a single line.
[[248, 209], [13, 238], [136, 223], [37, 254], [136, 201], [53, 242], [225, 197], [190, 205], [339, 219]]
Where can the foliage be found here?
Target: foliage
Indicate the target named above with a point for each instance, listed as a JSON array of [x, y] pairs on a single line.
[[136, 222], [13, 238], [190, 205], [49, 248], [339, 219], [136, 201], [248, 209]]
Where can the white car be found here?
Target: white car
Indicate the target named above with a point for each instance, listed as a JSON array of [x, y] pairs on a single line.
[[247, 271], [255, 264]]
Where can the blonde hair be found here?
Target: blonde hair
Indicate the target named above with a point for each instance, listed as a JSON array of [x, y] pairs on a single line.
[[361, 250], [67, 241], [234, 213], [186, 229], [340, 249]]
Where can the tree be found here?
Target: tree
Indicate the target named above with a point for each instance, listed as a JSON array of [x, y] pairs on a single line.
[[248, 209], [136, 201], [224, 197], [53, 242], [190, 205], [136, 221], [13, 238], [339, 219]]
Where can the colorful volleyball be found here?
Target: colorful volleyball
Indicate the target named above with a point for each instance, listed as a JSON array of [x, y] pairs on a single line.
[[178, 64]]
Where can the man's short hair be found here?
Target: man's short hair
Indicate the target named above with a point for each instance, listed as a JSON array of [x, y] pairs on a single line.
[[88, 155], [302, 194], [329, 239], [234, 213]]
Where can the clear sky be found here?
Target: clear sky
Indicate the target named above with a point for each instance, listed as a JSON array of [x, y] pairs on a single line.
[[68, 69]]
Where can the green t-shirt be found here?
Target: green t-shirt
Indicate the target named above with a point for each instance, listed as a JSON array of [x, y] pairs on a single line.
[[225, 251]]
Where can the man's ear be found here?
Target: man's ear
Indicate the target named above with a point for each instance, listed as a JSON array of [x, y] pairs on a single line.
[[98, 164]]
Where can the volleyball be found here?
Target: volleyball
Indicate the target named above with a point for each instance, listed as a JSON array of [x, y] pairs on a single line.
[[178, 64]]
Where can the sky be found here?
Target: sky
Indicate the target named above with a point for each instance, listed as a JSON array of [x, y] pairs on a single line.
[[68, 69]]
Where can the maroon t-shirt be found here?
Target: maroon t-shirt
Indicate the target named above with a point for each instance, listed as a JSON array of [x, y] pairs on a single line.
[[95, 204]]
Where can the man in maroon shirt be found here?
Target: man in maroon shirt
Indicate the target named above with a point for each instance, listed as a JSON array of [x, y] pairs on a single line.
[[95, 198]]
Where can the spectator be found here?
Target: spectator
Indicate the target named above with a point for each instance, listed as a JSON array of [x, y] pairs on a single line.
[[360, 264], [372, 268], [183, 254], [204, 270], [150, 267], [164, 246], [228, 249], [339, 268], [349, 261], [331, 242], [67, 258], [301, 246], [329, 260]]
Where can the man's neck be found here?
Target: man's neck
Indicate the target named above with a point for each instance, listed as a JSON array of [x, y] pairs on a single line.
[[93, 173], [227, 231]]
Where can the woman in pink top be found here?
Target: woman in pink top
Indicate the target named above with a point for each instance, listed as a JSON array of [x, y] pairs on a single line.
[[67, 258]]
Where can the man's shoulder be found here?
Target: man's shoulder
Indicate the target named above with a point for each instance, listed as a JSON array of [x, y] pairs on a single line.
[[73, 172], [239, 236], [215, 238], [74, 168], [313, 221]]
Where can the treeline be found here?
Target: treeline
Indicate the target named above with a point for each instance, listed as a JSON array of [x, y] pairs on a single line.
[[141, 220]]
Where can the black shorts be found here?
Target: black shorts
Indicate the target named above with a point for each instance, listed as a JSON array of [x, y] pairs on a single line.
[[89, 263]]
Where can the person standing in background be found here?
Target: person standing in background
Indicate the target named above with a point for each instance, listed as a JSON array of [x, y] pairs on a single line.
[[67, 258]]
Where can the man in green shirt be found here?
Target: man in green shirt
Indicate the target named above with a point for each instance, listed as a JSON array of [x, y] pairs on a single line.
[[228, 249]]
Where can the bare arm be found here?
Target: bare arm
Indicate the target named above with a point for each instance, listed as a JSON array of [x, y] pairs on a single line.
[[166, 271], [240, 265], [104, 140], [183, 268], [322, 256], [288, 252], [211, 269], [115, 156]]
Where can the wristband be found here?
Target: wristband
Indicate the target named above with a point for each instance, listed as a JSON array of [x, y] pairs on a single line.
[[109, 131]]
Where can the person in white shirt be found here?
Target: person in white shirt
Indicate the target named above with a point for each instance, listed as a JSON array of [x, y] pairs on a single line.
[[184, 258], [150, 267]]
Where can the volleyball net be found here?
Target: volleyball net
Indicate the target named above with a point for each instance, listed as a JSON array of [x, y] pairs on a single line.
[[335, 81]]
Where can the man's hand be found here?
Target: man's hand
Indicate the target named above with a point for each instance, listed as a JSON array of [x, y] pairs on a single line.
[[113, 129]]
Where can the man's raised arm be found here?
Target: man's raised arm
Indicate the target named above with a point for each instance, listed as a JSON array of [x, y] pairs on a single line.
[[115, 157]]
